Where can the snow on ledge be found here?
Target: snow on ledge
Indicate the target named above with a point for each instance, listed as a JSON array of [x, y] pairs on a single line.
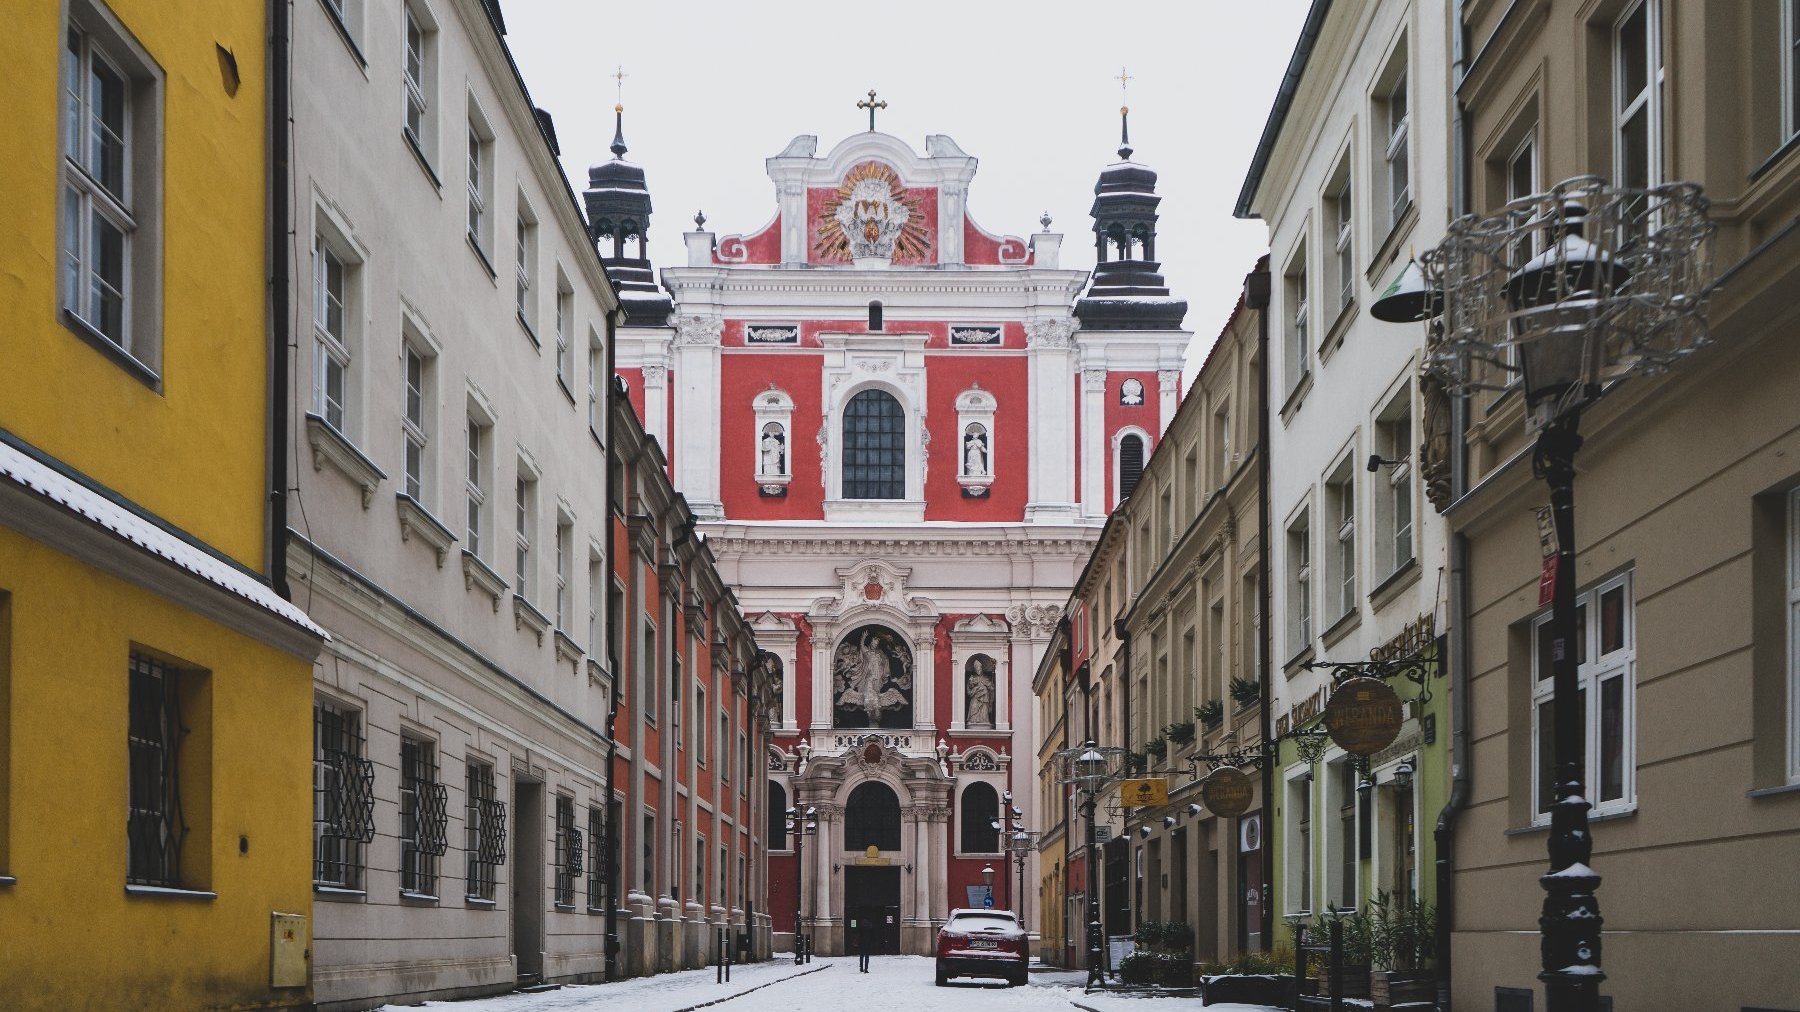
[[21, 469]]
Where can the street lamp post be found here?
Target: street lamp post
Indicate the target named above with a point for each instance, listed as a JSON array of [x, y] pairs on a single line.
[[1017, 844], [1091, 768], [800, 827], [1589, 284]]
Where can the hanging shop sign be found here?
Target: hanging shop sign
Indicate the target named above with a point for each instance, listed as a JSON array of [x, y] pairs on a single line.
[[1227, 792], [1144, 792], [1364, 715]]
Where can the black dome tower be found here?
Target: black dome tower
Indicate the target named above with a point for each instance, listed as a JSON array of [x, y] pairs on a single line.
[[1127, 292], [618, 212]]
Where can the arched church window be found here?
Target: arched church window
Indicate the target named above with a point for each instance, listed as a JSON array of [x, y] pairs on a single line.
[[872, 680], [777, 832], [1131, 463], [874, 447], [872, 818], [980, 807], [875, 315], [979, 691]]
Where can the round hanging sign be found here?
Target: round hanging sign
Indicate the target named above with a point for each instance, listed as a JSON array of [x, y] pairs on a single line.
[[1227, 792], [1363, 715]]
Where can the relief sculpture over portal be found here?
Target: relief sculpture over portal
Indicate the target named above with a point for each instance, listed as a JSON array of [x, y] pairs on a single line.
[[872, 680]]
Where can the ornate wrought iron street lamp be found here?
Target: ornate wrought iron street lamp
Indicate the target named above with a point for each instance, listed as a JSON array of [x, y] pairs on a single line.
[[1091, 768], [1567, 292], [1017, 843], [800, 827]]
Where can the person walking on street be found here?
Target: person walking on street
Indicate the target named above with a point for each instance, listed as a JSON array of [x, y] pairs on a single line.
[[862, 944]]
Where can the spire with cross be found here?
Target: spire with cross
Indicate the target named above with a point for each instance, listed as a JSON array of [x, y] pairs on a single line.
[[618, 144], [872, 105], [1124, 80]]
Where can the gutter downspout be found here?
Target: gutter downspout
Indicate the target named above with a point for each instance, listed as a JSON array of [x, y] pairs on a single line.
[[613, 832], [1256, 296], [1444, 835], [279, 113]]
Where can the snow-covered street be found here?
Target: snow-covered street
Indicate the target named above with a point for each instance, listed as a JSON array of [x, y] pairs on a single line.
[[893, 984]]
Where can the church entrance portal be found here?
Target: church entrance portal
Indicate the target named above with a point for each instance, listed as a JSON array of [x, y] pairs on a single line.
[[872, 900]]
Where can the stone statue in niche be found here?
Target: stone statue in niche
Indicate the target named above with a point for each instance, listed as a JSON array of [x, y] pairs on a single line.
[[872, 680], [975, 451], [1131, 393], [772, 671], [772, 456], [978, 691]]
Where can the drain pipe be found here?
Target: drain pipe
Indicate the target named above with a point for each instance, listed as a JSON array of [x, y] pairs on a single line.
[[1256, 296], [1444, 835], [280, 110]]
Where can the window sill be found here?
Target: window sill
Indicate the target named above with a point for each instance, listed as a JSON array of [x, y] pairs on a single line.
[[481, 903], [421, 899], [125, 360], [1337, 630], [525, 615], [416, 519], [170, 893], [1773, 792], [1389, 250], [338, 894], [329, 446], [567, 649], [1390, 588], [1300, 659], [567, 908], [525, 325], [1296, 397], [412, 144], [1592, 820], [596, 910], [1770, 162], [481, 255], [1334, 335], [343, 31]]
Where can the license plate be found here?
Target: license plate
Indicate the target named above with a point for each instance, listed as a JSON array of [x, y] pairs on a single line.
[[983, 943]]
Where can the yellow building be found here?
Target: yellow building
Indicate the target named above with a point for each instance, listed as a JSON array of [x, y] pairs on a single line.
[[155, 692]]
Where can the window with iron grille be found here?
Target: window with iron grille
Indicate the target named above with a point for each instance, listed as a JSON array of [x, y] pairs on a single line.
[[484, 818], [154, 823], [599, 853], [343, 797], [424, 817], [568, 851], [874, 447]]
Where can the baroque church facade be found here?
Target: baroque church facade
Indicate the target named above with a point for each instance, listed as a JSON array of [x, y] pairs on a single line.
[[899, 434]]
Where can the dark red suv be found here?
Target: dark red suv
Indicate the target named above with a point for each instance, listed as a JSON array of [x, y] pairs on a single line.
[[982, 943]]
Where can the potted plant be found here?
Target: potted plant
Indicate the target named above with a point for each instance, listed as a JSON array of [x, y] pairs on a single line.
[[1403, 940], [1167, 948], [1136, 762], [1245, 691], [1180, 733], [1210, 713], [1358, 936], [1252, 978], [1158, 747]]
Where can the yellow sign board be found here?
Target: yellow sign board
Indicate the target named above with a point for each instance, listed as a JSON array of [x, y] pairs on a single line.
[[1144, 792]]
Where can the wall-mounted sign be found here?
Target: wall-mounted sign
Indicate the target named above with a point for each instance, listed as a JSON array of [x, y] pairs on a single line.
[[772, 335], [1250, 834], [1227, 792], [1364, 715], [1411, 641], [872, 856], [1144, 792], [1102, 833]]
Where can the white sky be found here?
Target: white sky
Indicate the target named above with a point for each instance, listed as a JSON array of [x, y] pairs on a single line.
[[1028, 88]]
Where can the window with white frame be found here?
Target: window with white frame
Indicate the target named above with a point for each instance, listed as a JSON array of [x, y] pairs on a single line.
[[1340, 807], [415, 378], [1297, 358], [701, 715], [595, 592], [418, 73], [336, 313], [596, 369], [1793, 634], [565, 333], [1221, 443], [1299, 582], [1340, 506], [647, 671], [480, 165], [1343, 263], [476, 482], [349, 16], [1393, 118], [1298, 849], [1394, 495], [565, 590], [525, 266], [1637, 96], [524, 531], [648, 850], [1606, 659], [111, 196]]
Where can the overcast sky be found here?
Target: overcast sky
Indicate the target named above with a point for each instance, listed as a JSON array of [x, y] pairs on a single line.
[[1030, 89]]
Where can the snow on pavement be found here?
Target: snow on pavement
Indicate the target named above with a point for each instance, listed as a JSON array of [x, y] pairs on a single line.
[[893, 984]]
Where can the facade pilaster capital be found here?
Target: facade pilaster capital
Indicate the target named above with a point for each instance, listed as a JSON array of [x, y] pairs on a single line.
[[654, 376], [696, 330], [1093, 380], [1169, 380], [1050, 332]]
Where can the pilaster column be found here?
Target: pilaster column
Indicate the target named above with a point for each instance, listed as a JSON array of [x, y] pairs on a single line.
[[922, 866], [824, 846], [1051, 488], [1169, 388], [1095, 460], [697, 404], [940, 819], [656, 401], [924, 690]]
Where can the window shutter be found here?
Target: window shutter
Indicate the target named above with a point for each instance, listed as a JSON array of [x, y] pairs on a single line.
[[1131, 464]]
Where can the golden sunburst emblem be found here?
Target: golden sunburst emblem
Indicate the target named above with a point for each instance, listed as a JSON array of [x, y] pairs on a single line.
[[871, 215]]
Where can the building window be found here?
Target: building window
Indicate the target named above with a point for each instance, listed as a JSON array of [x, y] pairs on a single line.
[[776, 817], [649, 853], [1299, 844], [111, 185], [599, 850], [565, 592], [333, 321], [565, 333], [874, 316], [415, 370], [481, 184], [724, 744], [475, 484], [524, 530], [156, 827], [1790, 68], [596, 598], [700, 870], [424, 816], [1345, 780], [525, 267], [874, 447], [569, 853], [1637, 91], [484, 818], [1340, 505], [700, 724], [1299, 569], [1606, 657], [343, 797], [1343, 262], [1394, 443], [1396, 123], [980, 809], [419, 80], [1299, 346], [647, 672], [1130, 463]]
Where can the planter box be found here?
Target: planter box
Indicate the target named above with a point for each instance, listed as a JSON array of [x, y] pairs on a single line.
[[1247, 989], [1355, 981], [1395, 987]]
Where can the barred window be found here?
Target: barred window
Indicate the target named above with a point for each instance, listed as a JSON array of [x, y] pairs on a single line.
[[568, 851], [485, 820], [874, 447], [154, 822], [423, 817], [343, 797], [599, 851]]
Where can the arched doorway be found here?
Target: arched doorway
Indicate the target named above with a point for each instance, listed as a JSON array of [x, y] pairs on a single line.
[[872, 882]]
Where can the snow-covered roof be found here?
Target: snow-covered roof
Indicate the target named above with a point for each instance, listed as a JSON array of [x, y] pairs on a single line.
[[17, 467], [640, 294]]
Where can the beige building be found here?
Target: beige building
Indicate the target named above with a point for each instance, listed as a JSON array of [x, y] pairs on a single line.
[[1687, 523]]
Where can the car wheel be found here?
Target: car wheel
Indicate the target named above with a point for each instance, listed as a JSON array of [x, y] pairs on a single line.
[[942, 981]]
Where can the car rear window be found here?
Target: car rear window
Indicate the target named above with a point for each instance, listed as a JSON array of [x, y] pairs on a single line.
[[983, 922]]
